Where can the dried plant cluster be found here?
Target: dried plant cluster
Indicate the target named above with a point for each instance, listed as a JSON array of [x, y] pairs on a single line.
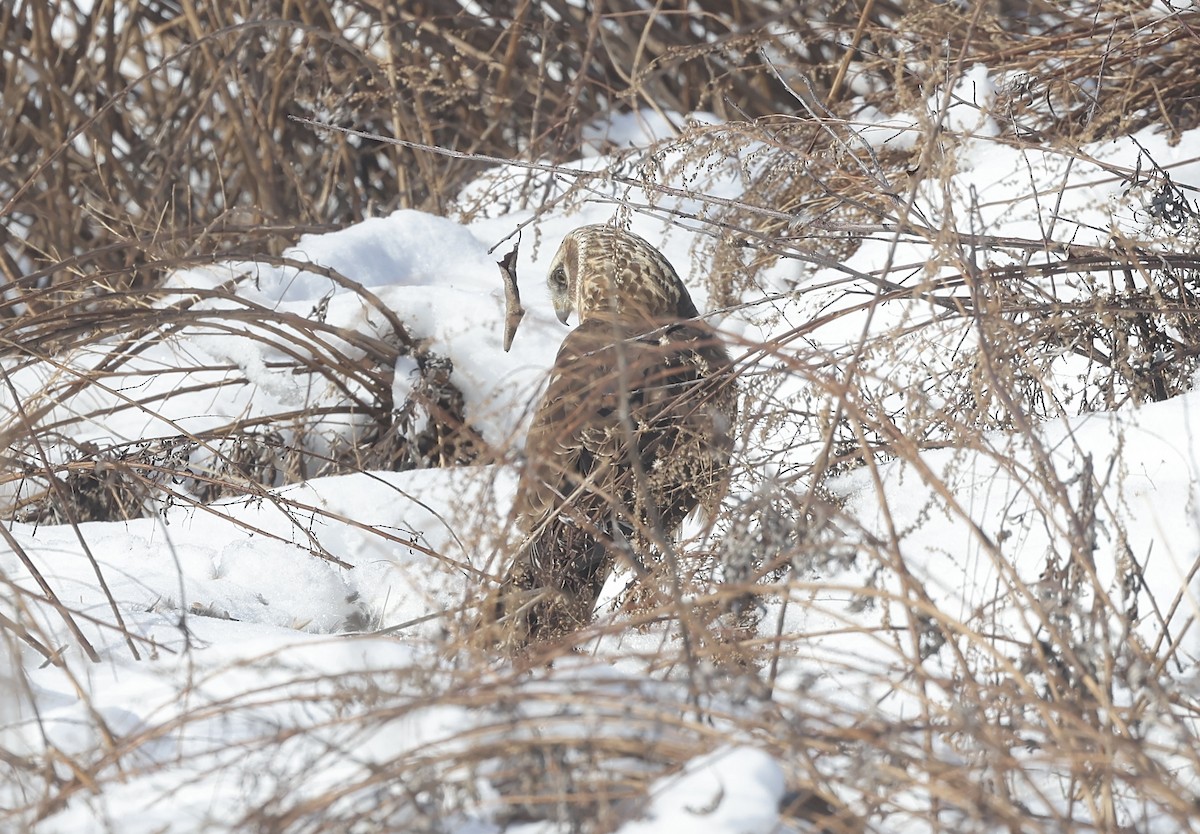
[[142, 138]]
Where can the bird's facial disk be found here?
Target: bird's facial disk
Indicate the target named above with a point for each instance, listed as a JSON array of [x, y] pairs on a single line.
[[560, 291]]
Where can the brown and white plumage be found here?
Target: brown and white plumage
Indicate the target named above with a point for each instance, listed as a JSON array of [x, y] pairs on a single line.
[[632, 434]]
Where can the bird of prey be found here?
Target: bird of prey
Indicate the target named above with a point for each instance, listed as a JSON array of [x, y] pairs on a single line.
[[632, 434]]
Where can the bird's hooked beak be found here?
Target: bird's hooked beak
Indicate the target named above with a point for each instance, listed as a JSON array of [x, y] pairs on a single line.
[[562, 309]]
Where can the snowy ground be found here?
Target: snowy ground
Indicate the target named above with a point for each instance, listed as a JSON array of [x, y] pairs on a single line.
[[262, 683]]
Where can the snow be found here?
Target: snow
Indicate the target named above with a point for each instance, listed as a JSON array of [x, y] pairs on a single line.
[[969, 104], [260, 623], [725, 791]]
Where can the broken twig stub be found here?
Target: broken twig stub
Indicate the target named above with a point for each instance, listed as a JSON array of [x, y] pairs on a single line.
[[513, 311]]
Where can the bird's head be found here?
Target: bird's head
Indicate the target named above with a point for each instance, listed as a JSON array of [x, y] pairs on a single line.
[[602, 271]]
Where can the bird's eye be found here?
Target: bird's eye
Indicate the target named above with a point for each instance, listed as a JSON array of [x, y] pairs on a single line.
[[558, 277]]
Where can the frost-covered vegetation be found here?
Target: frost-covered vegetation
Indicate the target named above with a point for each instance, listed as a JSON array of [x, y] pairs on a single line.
[[259, 439]]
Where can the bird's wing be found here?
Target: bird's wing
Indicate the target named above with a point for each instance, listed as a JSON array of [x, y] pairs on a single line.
[[617, 391]]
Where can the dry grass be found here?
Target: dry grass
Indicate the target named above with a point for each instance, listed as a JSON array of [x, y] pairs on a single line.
[[149, 137]]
